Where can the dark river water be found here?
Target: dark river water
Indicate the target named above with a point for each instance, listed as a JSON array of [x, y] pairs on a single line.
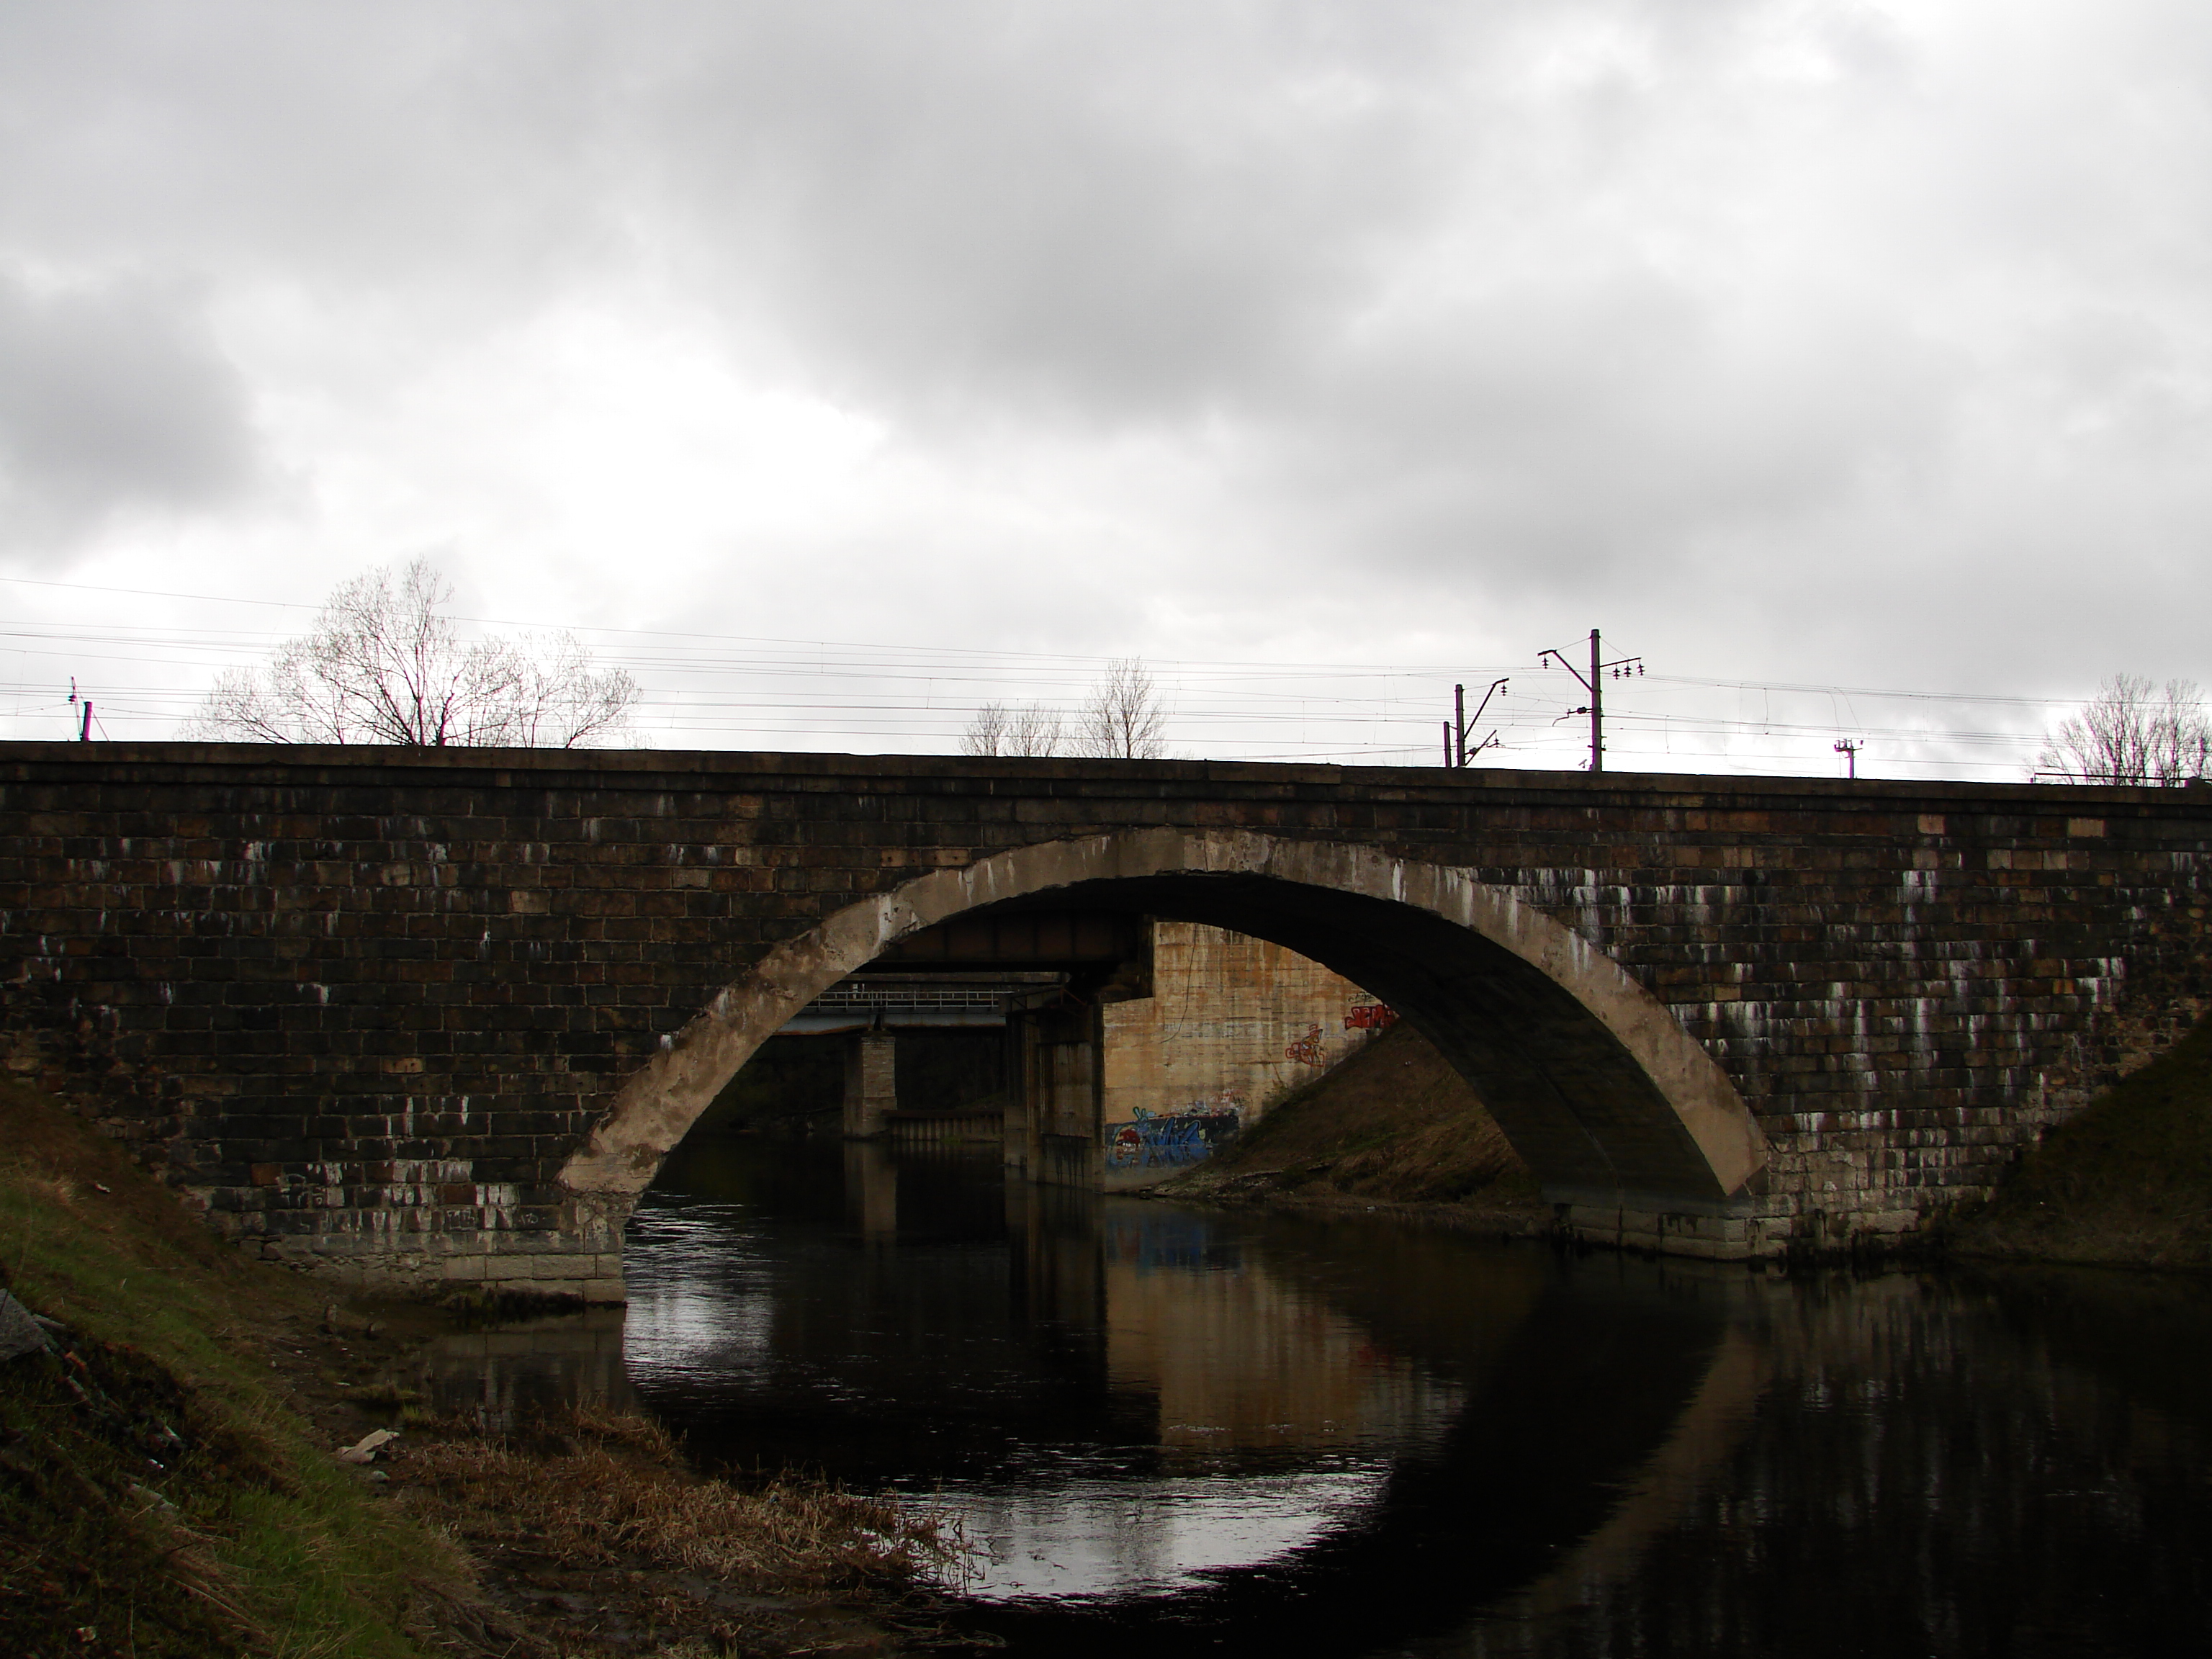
[[1168, 1430]]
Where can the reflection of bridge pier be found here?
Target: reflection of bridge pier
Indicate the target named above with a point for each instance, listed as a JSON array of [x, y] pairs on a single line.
[[871, 1189], [1055, 1266]]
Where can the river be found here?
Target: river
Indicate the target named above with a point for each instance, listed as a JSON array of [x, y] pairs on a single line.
[[1170, 1430]]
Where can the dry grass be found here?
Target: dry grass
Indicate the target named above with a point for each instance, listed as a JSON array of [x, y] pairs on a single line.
[[385, 1392], [597, 1489], [595, 1537]]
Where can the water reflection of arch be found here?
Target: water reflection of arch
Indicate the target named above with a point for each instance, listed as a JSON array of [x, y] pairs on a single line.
[[1565, 1410], [1593, 1410], [1590, 1076]]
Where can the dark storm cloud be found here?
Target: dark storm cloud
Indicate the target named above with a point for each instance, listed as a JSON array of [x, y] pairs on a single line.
[[111, 397]]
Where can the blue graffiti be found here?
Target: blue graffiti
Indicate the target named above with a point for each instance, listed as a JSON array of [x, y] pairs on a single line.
[[1168, 1140]]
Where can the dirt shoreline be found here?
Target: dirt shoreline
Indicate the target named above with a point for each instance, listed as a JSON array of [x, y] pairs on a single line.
[[170, 1486]]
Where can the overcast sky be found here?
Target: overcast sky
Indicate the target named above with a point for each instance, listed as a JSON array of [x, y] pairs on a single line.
[[1828, 344]]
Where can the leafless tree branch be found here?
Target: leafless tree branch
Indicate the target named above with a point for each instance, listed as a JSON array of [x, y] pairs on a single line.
[[1032, 729], [384, 665], [986, 733], [2132, 731], [1123, 720]]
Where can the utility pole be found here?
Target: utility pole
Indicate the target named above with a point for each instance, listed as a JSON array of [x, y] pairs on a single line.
[[1457, 727], [1847, 747], [1597, 708], [84, 730], [1619, 668]]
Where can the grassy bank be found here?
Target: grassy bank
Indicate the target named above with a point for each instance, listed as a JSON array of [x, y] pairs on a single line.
[[2128, 1182], [162, 1497], [169, 1486], [1392, 1124]]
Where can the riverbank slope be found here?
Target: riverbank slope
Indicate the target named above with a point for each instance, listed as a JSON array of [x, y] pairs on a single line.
[[2129, 1182], [169, 1485], [1390, 1127]]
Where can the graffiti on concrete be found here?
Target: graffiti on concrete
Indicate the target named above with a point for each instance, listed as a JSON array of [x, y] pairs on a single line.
[[1306, 1050], [1312, 1049], [1169, 1139]]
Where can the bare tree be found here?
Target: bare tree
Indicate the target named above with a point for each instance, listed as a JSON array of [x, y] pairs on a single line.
[[986, 733], [384, 665], [1122, 720], [2132, 731], [1032, 729], [1035, 730]]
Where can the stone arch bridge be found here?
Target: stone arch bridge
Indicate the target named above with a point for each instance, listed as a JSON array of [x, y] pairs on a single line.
[[441, 1013]]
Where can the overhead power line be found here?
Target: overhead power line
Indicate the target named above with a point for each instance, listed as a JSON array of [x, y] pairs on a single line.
[[729, 690], [884, 653]]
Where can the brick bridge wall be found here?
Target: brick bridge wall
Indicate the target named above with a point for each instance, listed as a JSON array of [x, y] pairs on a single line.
[[362, 1005]]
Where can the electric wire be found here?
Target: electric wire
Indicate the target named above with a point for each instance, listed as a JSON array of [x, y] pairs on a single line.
[[704, 685]]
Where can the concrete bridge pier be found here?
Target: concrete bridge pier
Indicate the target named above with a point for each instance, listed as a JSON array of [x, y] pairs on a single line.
[[1056, 1110], [870, 1082]]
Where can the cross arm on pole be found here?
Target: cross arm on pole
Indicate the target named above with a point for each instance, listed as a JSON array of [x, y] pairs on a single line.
[[1456, 753], [1593, 683], [1549, 658]]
